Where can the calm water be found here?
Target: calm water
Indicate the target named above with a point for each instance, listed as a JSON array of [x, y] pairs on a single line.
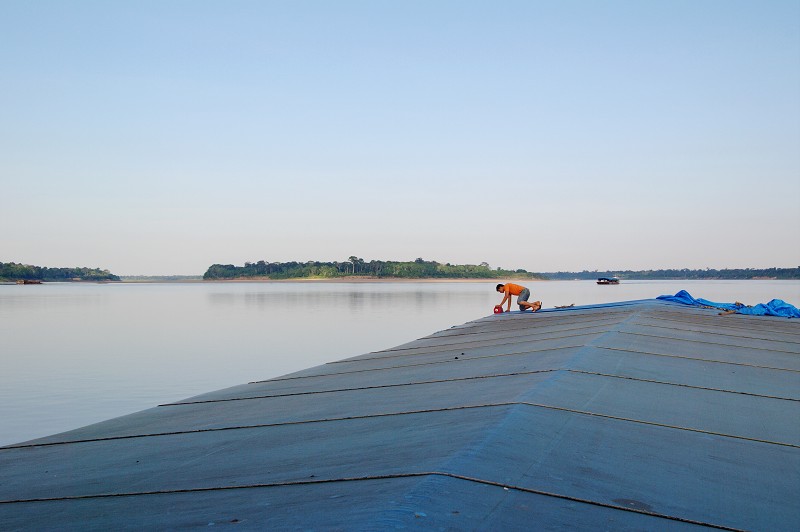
[[75, 354]]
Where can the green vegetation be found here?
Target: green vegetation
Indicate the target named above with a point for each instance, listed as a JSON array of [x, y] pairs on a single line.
[[423, 269], [10, 271], [707, 274], [354, 266]]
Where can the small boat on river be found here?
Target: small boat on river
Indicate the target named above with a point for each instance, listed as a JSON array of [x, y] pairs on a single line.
[[608, 280]]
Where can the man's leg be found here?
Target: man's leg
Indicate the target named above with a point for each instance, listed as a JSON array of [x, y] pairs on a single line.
[[522, 301], [536, 305]]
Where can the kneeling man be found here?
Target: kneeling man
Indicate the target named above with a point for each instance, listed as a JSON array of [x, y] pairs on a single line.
[[522, 293]]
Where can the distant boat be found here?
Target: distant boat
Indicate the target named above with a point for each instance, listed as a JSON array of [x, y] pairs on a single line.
[[607, 280], [28, 281]]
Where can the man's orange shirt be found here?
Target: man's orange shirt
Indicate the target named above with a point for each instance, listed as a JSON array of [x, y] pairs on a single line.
[[513, 289]]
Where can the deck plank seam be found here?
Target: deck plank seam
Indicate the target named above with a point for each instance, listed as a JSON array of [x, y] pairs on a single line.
[[717, 323], [483, 330], [707, 342], [500, 336], [374, 387], [541, 317], [695, 358], [476, 377], [363, 478], [682, 385], [447, 361], [406, 413], [715, 333], [456, 347], [527, 321]]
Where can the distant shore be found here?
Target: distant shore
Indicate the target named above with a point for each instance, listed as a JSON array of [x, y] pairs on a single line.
[[295, 280], [358, 279], [361, 279]]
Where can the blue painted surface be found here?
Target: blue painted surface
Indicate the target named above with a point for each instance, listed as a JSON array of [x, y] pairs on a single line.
[[774, 307], [638, 415]]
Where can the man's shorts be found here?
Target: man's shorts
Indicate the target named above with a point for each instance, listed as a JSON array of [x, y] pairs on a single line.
[[523, 296]]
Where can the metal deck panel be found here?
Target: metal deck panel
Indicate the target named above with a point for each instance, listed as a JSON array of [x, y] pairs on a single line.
[[696, 409], [313, 407], [433, 502], [712, 351], [695, 373]]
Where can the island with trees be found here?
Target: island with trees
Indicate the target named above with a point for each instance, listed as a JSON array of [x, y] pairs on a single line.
[[357, 267], [11, 271], [425, 269]]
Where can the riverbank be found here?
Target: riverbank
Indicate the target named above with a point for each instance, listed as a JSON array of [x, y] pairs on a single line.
[[362, 279]]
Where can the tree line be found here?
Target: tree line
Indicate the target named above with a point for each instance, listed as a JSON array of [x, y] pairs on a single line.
[[424, 269], [355, 266], [708, 274], [11, 271]]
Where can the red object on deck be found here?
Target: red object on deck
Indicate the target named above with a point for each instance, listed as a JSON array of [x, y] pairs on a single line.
[[498, 309]]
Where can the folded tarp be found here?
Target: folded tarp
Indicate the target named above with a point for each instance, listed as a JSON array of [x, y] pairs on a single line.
[[776, 307]]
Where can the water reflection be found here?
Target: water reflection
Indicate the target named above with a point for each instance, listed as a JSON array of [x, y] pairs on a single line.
[[356, 300]]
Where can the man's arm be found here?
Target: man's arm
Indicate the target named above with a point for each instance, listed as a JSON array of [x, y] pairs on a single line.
[[506, 297]]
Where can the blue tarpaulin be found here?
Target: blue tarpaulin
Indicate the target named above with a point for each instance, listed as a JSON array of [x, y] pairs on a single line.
[[776, 307]]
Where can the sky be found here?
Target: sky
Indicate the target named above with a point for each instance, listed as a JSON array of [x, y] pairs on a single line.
[[160, 137]]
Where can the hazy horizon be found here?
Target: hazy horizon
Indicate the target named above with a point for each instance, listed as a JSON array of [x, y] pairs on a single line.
[[150, 137]]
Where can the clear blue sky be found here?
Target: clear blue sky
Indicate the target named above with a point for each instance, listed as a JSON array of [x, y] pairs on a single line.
[[159, 137]]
